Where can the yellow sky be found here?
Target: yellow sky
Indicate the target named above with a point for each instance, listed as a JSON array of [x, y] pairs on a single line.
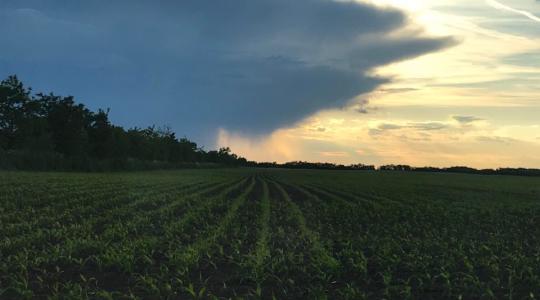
[[475, 104]]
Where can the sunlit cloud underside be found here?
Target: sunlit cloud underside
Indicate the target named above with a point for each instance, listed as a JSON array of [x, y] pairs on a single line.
[[474, 104]]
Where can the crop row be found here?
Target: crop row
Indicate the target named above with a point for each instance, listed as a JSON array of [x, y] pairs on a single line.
[[266, 235]]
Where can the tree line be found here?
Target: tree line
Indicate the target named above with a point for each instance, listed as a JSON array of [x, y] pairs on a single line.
[[397, 168], [312, 165], [464, 170], [47, 131], [50, 132]]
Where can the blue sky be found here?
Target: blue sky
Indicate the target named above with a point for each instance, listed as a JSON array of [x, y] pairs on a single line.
[[374, 82]]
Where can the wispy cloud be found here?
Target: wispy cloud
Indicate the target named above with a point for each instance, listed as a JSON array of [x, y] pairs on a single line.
[[416, 126], [496, 139], [334, 154], [466, 119], [497, 5]]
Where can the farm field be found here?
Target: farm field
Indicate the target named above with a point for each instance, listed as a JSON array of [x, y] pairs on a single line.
[[264, 234]]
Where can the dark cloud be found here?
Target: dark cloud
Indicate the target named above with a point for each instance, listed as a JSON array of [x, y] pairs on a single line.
[[417, 126], [496, 139], [466, 119], [197, 65], [390, 126], [423, 126], [429, 126], [398, 90], [361, 106], [384, 127]]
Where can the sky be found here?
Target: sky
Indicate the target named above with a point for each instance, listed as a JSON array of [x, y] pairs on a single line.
[[439, 83]]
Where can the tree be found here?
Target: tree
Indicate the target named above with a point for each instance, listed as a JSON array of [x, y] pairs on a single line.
[[13, 100], [69, 124], [100, 135]]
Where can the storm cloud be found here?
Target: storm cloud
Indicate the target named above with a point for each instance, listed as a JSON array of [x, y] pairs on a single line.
[[249, 66]]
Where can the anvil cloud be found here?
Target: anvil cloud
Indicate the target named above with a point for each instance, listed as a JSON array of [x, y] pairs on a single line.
[[250, 66]]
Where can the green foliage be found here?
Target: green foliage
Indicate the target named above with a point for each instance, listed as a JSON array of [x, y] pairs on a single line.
[[271, 234], [49, 132]]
